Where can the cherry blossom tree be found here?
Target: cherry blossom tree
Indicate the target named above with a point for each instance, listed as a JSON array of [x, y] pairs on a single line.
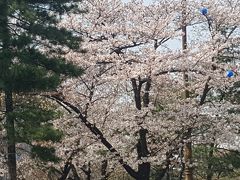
[[131, 100]]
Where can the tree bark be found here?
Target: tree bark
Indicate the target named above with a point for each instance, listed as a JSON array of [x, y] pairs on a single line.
[[143, 168], [87, 171], [137, 93], [104, 170], [142, 149], [66, 171], [188, 172], [146, 93], [5, 62], [12, 164], [75, 174], [182, 165], [209, 164]]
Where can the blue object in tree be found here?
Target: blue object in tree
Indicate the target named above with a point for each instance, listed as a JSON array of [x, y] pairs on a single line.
[[204, 11], [230, 73]]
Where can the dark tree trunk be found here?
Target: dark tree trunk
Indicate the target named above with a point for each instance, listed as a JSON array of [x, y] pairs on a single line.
[[164, 173], [10, 136], [89, 172], [104, 170], [4, 63], [182, 165], [188, 169], [66, 171], [161, 174], [143, 168], [137, 92], [75, 174], [209, 165], [142, 150], [146, 93]]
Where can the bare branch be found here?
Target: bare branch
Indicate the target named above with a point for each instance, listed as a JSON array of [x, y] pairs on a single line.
[[205, 91]]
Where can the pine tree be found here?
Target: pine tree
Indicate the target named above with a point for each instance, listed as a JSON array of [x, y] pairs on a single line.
[[33, 122], [31, 46]]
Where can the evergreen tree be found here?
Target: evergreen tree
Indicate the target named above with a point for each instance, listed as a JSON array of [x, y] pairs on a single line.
[[31, 46], [33, 116]]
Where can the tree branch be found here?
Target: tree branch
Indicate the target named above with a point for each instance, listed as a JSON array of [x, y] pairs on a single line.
[[177, 70], [97, 133], [119, 49], [205, 91]]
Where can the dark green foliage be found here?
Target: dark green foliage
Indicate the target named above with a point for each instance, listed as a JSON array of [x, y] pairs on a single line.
[[234, 111], [234, 93], [32, 122], [31, 49], [157, 172], [159, 108], [47, 133], [29, 78], [23, 65], [223, 162], [32, 116], [44, 153], [226, 163]]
